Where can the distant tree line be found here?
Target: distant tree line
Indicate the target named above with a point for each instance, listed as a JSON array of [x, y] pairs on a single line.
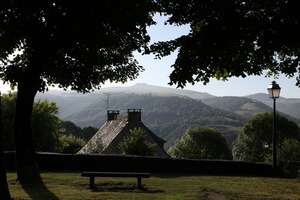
[[51, 133]]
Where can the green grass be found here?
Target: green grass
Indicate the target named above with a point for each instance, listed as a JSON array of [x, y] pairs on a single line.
[[71, 186]]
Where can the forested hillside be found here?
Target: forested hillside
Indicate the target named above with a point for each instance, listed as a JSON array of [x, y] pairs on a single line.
[[167, 112], [168, 116], [243, 106], [249, 107], [290, 106]]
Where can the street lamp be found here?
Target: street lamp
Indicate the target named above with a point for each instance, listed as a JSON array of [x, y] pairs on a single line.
[[274, 93]]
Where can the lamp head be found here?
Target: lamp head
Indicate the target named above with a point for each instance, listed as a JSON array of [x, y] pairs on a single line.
[[274, 90]]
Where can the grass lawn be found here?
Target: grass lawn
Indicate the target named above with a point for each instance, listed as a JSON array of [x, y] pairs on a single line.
[[71, 186]]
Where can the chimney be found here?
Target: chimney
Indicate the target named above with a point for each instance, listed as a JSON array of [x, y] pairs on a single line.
[[112, 114], [134, 115]]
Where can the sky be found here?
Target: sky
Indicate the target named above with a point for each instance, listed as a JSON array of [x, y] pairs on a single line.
[[157, 71]]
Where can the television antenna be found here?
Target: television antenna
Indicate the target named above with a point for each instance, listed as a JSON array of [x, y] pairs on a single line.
[[107, 99]]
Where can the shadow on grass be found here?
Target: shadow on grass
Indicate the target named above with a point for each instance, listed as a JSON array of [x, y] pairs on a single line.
[[175, 175], [122, 187], [38, 191]]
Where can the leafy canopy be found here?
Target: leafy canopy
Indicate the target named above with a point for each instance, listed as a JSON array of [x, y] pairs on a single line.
[[70, 144], [201, 143], [44, 123], [135, 144], [232, 38], [73, 44], [93, 42], [69, 128], [289, 150], [70, 43], [254, 142]]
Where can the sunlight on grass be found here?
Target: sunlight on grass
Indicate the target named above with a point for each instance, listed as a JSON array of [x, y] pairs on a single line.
[[71, 186]]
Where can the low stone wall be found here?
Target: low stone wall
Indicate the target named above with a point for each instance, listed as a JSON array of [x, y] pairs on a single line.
[[74, 162]]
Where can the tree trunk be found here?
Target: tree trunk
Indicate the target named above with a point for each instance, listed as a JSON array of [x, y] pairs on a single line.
[[4, 191], [26, 161]]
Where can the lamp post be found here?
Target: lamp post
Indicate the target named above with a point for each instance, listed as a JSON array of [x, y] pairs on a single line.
[[274, 93]]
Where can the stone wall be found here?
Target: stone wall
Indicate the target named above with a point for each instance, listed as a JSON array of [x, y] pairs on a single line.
[[70, 162]]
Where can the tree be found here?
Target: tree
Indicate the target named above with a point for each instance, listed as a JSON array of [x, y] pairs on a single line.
[[8, 107], [135, 144], [89, 132], [201, 143], [69, 43], [232, 39], [69, 128], [44, 123], [289, 150], [4, 191], [70, 144], [254, 141]]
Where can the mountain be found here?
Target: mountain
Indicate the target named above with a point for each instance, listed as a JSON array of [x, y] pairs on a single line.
[[243, 106], [290, 106], [166, 111], [169, 116], [253, 104], [143, 88], [70, 101]]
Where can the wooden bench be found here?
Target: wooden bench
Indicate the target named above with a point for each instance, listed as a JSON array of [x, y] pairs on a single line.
[[92, 176]]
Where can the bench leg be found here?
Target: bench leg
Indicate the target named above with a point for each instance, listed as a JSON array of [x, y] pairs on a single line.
[[140, 183], [92, 182]]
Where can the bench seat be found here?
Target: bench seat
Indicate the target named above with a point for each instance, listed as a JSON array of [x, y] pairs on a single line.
[[92, 176]]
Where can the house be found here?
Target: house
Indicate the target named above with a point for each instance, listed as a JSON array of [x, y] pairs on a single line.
[[108, 137]]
